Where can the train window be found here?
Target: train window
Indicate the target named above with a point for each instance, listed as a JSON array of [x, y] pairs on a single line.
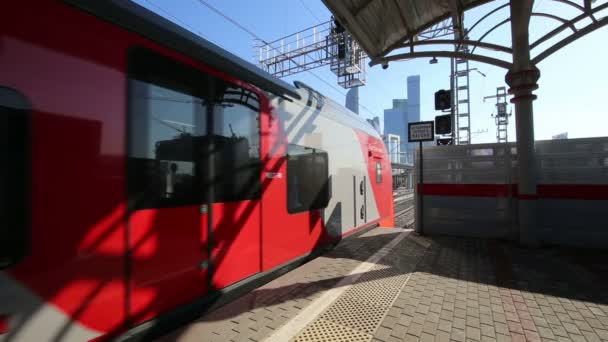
[[189, 132], [236, 144], [307, 179], [168, 111], [14, 176], [378, 172]]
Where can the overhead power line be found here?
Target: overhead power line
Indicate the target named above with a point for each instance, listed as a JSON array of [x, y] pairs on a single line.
[[177, 20], [310, 11]]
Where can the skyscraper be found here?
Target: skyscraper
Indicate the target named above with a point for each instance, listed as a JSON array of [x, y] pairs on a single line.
[[413, 109], [395, 123], [352, 99], [397, 118]]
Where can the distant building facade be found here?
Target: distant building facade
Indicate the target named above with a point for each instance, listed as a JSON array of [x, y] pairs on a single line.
[[352, 100], [560, 136], [395, 123], [397, 118]]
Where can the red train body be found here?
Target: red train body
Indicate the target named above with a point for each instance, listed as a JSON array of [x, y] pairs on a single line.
[[155, 170]]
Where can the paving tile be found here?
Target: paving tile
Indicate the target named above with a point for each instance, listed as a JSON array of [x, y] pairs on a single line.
[[444, 325], [528, 325], [458, 335], [442, 336], [515, 327], [595, 323], [503, 338], [415, 329], [389, 322], [552, 319], [546, 333], [583, 325], [597, 311], [472, 322], [532, 336], [558, 330], [515, 337], [459, 323], [591, 336], [571, 328], [487, 339], [602, 333], [473, 333], [429, 327], [486, 319], [501, 328], [382, 333], [488, 330], [399, 330], [404, 320]]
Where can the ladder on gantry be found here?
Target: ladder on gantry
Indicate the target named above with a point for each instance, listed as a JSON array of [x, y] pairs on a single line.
[[501, 117], [462, 105]]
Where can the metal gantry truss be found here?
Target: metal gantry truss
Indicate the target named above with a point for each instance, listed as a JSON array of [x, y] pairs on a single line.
[[324, 44], [501, 117]]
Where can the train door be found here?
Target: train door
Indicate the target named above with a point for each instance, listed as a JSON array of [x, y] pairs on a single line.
[[235, 185], [360, 199], [167, 176], [193, 183]]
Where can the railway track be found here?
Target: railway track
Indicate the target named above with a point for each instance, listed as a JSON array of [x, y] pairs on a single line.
[[404, 209]]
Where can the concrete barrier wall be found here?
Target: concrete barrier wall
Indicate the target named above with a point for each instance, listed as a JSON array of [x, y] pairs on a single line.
[[471, 190]]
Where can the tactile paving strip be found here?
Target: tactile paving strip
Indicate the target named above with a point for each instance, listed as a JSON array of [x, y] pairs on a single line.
[[322, 330], [362, 307], [348, 312]]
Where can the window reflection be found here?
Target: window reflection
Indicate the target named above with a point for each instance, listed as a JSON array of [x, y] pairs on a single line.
[[237, 145], [166, 125], [192, 137]]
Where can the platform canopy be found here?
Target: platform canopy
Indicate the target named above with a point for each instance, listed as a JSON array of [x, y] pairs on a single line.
[[381, 25]]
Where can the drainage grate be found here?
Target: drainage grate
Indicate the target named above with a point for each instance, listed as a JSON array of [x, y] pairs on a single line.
[[322, 330], [354, 314]]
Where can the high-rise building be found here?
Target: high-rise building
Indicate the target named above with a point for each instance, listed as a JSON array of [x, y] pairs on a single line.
[[352, 99], [395, 123], [397, 118], [413, 109]]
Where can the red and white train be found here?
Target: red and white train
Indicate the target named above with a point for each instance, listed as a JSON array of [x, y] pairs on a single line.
[[147, 170]]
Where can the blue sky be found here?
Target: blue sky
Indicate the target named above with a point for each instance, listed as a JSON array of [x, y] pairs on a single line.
[[573, 82]]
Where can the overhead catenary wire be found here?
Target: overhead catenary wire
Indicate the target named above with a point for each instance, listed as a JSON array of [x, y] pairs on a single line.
[[177, 20], [310, 11]]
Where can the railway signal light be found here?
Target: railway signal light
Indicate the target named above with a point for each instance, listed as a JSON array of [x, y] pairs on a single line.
[[445, 141], [443, 124], [443, 99]]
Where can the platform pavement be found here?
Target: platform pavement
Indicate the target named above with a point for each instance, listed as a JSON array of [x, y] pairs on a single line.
[[415, 288]]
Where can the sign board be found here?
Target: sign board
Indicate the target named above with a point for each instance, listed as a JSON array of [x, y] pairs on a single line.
[[421, 131]]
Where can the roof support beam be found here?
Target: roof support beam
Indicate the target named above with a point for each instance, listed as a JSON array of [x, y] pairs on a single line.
[[580, 33], [447, 54], [487, 15], [490, 31], [475, 43], [572, 22]]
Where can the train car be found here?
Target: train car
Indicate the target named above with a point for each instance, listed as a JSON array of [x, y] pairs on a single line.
[[148, 170]]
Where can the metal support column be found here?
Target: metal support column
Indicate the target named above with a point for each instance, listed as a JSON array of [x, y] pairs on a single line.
[[522, 81]]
